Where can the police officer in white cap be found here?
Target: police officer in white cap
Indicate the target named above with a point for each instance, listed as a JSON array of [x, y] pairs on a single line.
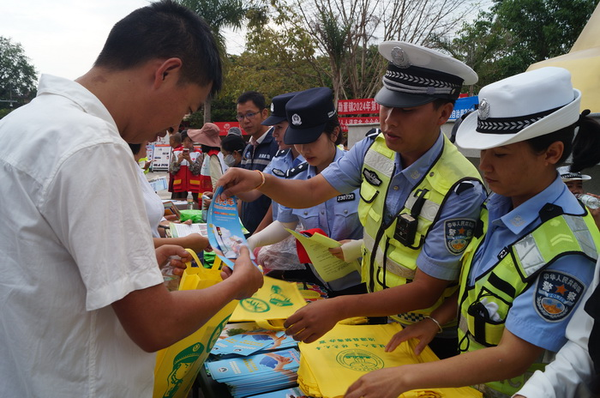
[[574, 181], [420, 198], [533, 254]]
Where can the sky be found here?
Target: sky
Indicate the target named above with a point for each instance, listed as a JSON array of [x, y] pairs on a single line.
[[64, 37]]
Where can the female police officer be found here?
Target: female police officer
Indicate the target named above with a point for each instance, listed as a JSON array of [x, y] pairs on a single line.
[[314, 130], [534, 254]]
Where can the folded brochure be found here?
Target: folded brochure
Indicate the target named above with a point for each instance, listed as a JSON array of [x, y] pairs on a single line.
[[225, 233]]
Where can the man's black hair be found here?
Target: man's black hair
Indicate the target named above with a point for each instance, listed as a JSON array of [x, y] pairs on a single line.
[[257, 98], [164, 30]]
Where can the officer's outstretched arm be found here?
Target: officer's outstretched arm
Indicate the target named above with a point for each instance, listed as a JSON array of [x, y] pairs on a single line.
[[297, 194], [313, 321], [509, 359]]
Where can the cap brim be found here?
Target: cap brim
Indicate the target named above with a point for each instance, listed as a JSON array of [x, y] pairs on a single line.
[[468, 137], [303, 136], [584, 177], [394, 99], [273, 120]]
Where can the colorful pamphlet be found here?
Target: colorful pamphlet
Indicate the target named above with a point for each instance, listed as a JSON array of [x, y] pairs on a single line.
[[225, 233], [257, 373], [253, 342], [293, 392]]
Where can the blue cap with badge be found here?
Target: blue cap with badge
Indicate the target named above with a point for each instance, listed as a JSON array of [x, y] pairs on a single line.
[[307, 114], [417, 75], [278, 109]]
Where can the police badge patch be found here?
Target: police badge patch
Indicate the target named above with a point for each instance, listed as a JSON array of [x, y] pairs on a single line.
[[278, 172], [458, 234], [371, 177], [556, 294]]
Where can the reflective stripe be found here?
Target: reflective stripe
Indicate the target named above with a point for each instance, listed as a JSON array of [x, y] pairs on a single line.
[[529, 255], [379, 162], [511, 276], [429, 211], [391, 266], [582, 232]]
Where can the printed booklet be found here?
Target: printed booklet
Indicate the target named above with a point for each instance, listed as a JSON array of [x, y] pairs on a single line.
[[258, 373], [253, 342], [225, 233]]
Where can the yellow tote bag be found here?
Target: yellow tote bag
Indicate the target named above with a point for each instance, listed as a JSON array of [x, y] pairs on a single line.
[[178, 365], [271, 305], [330, 365]]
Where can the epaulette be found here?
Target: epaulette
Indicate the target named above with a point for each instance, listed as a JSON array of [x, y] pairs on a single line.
[[374, 132], [282, 152], [294, 171]]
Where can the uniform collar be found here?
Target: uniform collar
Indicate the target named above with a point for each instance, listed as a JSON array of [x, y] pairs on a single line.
[[312, 171], [516, 220], [415, 171], [261, 138]]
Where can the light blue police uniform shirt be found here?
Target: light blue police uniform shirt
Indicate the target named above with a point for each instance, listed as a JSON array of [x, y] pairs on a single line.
[[527, 318], [435, 258], [278, 166], [337, 217]]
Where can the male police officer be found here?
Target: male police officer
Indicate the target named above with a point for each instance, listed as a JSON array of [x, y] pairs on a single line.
[[419, 198]]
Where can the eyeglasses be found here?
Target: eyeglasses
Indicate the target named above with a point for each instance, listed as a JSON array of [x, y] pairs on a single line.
[[248, 116]]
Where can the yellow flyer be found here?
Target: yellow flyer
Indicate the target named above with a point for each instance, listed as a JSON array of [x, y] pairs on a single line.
[[327, 265]]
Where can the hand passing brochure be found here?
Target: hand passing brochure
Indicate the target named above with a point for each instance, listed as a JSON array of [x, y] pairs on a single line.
[[225, 232]]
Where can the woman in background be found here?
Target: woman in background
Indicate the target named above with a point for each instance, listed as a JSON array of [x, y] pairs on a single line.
[[315, 132], [213, 165], [232, 148]]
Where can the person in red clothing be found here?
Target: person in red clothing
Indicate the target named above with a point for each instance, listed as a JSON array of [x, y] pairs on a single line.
[[185, 167], [175, 143], [213, 165]]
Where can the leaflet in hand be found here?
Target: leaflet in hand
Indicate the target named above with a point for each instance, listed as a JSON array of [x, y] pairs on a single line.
[[225, 233], [326, 264]]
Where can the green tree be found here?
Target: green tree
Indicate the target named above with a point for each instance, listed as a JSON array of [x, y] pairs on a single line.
[[517, 33], [17, 76], [221, 14], [267, 75], [346, 32]]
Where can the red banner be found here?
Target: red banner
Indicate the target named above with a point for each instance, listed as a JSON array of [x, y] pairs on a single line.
[[225, 126], [345, 121], [354, 106]]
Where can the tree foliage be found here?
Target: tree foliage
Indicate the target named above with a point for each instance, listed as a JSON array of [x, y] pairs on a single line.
[[346, 33], [517, 33], [221, 14], [251, 71], [17, 76]]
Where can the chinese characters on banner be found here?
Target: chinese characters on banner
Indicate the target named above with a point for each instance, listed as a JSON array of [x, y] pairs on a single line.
[[370, 109]]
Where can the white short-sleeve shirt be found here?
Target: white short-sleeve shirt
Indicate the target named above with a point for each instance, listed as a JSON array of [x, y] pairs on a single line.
[[74, 239]]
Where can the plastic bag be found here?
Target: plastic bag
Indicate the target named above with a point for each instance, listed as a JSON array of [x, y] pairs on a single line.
[[194, 215], [281, 256]]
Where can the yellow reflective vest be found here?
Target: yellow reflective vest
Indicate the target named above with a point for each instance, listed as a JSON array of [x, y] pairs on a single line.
[[386, 261], [520, 264]]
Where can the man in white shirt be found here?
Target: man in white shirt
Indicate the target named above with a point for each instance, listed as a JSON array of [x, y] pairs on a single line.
[[83, 300]]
